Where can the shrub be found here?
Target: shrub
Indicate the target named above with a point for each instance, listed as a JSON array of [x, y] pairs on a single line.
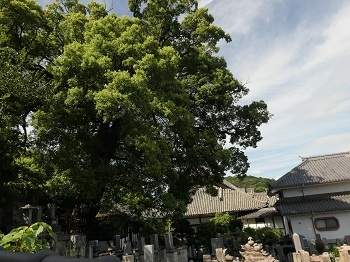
[[333, 252], [320, 247], [204, 233], [264, 235], [27, 239], [221, 222]]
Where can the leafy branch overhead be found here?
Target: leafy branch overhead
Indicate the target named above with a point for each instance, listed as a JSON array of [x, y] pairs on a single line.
[[133, 110]]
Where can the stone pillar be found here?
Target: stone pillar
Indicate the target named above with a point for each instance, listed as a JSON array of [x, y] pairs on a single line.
[[128, 247], [214, 245], [338, 242], [116, 241], [154, 241], [39, 215], [220, 257], [206, 258], [347, 240], [344, 256], [325, 243], [148, 253], [305, 256], [91, 252], [297, 243], [280, 253], [161, 255], [296, 257], [140, 244], [171, 257], [235, 243], [169, 242], [128, 258], [325, 257]]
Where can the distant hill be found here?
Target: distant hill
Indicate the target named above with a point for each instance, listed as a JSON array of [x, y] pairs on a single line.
[[258, 183]]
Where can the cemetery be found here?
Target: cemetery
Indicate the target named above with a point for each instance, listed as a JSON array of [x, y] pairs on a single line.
[[167, 248]]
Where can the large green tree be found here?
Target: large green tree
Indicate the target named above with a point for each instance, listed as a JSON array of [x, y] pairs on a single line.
[[138, 111]]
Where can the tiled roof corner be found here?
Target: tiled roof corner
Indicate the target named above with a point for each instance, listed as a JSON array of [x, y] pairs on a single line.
[[229, 199], [264, 212], [316, 170], [314, 203]]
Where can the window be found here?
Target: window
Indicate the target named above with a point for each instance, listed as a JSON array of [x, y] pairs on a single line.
[[260, 220], [326, 223]]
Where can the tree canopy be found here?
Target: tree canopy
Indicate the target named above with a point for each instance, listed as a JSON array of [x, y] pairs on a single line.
[[139, 111], [259, 184]]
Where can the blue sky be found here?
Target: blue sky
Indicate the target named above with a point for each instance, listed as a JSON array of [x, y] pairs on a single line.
[[294, 55]]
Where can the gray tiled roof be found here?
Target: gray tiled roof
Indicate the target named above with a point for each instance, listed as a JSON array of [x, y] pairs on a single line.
[[229, 199], [314, 203], [264, 212], [315, 170]]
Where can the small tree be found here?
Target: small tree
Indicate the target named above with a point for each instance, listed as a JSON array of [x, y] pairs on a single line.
[[221, 222]]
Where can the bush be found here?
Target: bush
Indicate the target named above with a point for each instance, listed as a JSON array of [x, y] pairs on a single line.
[[221, 222], [204, 233], [333, 252], [27, 239], [320, 247], [264, 235]]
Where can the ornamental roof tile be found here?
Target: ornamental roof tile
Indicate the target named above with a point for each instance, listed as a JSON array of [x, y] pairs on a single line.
[[314, 203], [316, 170], [229, 199]]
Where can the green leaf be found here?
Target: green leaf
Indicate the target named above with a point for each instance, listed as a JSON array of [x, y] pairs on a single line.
[[39, 230]]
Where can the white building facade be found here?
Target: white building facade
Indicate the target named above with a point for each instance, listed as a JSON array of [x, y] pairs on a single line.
[[315, 197]]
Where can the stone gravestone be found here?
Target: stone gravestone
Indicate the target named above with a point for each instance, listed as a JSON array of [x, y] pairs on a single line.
[[216, 243], [116, 242], [128, 258], [154, 241], [297, 242], [318, 237], [234, 243], [140, 244], [169, 242], [140, 249], [338, 242], [148, 253], [206, 258], [280, 252], [347, 240], [128, 247], [220, 257], [161, 255], [325, 243]]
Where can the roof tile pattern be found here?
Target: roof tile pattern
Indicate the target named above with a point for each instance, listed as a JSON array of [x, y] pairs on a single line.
[[228, 200], [264, 212], [314, 170], [314, 203]]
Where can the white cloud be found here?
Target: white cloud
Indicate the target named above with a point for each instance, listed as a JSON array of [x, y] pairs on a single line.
[[302, 74], [202, 3]]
